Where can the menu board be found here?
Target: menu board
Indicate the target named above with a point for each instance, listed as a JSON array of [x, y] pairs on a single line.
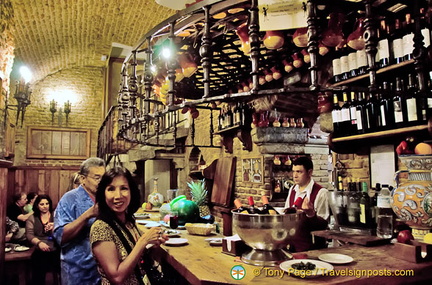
[[281, 14]]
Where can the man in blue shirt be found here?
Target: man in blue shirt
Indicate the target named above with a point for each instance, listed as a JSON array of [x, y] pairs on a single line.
[[73, 217]]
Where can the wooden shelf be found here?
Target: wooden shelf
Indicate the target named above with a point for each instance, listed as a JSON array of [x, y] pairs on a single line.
[[381, 133], [379, 71]]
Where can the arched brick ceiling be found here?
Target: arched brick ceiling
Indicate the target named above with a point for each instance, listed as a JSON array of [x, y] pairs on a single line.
[[51, 35]]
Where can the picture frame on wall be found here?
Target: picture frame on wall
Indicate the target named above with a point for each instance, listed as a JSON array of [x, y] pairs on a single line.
[[253, 169]]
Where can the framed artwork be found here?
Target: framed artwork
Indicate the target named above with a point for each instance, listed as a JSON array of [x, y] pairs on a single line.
[[253, 169], [58, 143]]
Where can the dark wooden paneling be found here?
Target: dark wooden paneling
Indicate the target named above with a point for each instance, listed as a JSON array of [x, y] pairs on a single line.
[[51, 181]]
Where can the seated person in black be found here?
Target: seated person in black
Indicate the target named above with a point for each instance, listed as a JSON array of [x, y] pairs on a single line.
[[15, 211]]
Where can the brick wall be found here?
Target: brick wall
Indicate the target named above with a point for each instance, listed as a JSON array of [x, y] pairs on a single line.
[[87, 83]]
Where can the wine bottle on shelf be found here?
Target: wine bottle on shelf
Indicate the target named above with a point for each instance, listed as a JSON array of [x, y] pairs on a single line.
[[229, 117], [372, 114], [425, 28], [360, 113], [353, 113], [397, 42], [383, 45], [365, 213], [239, 207], [408, 38], [220, 120], [336, 116], [252, 209], [352, 62], [399, 105], [362, 64], [237, 115], [267, 208], [344, 64], [336, 67], [411, 101], [386, 108], [345, 123]]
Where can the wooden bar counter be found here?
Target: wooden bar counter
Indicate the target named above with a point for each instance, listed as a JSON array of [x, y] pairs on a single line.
[[200, 263]]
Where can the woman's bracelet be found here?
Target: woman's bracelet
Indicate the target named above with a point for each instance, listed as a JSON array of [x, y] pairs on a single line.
[[38, 243]]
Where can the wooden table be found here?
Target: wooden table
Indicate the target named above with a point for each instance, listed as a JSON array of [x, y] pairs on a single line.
[[19, 264], [200, 263]]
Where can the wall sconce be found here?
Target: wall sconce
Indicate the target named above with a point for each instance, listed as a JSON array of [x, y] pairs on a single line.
[[66, 109], [22, 96]]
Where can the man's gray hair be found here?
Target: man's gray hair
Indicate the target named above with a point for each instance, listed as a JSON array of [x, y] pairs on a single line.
[[90, 162]]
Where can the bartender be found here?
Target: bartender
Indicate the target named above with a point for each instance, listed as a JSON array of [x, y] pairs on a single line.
[[312, 198]]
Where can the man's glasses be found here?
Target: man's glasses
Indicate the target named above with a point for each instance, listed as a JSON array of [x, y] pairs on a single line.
[[95, 178]]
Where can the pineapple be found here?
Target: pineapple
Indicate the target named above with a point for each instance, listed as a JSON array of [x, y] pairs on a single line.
[[199, 196]]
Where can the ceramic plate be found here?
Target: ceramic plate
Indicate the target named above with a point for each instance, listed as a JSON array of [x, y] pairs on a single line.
[[214, 241], [7, 249], [172, 233], [176, 241], [320, 268], [335, 258], [21, 248], [141, 216], [143, 222], [152, 225]]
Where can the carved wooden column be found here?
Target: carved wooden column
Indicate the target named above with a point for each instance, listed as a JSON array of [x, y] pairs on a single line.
[[313, 39], [419, 52], [171, 65], [371, 41], [206, 53], [255, 43]]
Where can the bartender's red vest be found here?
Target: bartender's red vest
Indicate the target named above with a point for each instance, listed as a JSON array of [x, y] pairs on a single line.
[[315, 189]]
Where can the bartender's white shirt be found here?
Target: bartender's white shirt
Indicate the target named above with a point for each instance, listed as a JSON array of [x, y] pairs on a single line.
[[321, 204]]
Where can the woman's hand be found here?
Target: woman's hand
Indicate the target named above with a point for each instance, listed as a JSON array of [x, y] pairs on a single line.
[[151, 236], [43, 246], [49, 227]]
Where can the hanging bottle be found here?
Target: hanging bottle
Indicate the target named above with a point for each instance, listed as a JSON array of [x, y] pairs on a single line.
[[300, 37], [333, 34], [356, 40], [243, 34], [273, 39]]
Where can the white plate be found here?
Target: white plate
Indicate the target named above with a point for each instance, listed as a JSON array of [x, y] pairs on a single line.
[[143, 222], [335, 258], [172, 233], [320, 268], [141, 216], [152, 225], [214, 241], [7, 249], [176, 241], [21, 248]]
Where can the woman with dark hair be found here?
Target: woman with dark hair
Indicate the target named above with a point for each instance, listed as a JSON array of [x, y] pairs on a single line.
[[117, 243], [39, 232]]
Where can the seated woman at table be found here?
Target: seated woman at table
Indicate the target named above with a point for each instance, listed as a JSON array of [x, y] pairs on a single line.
[[39, 230], [117, 243]]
